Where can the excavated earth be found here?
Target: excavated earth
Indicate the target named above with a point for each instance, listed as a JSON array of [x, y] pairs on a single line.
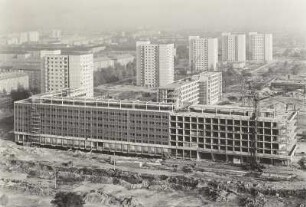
[[31, 177]]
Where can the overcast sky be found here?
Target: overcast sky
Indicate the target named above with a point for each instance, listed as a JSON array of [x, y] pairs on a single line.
[[217, 15]]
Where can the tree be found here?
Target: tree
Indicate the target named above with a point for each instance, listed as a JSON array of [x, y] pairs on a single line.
[[4, 91], [296, 69], [182, 52], [20, 94], [67, 199], [302, 163]]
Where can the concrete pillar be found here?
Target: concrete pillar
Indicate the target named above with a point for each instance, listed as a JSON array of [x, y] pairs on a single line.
[[212, 156]]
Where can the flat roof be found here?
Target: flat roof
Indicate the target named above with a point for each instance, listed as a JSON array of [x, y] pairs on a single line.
[[178, 83], [11, 74], [73, 97], [235, 112]]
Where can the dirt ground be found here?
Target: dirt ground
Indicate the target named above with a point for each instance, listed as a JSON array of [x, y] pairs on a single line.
[[28, 179]]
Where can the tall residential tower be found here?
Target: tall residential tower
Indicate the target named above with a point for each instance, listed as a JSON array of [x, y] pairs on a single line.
[[155, 64], [68, 71], [233, 47], [203, 53], [260, 47]]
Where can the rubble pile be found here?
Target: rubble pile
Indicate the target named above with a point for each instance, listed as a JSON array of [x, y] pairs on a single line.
[[99, 197], [245, 192], [24, 186], [257, 200]]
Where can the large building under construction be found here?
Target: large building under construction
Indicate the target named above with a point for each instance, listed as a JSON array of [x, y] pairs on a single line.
[[67, 119]]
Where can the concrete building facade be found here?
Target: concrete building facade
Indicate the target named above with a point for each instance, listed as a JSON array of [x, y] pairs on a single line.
[[210, 88], [12, 80], [204, 88], [61, 119], [56, 34], [123, 59], [260, 47], [103, 62], [203, 53], [68, 71], [233, 47], [33, 36], [155, 64], [180, 93]]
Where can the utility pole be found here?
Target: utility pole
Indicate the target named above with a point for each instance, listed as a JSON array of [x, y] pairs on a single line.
[[114, 160], [55, 178]]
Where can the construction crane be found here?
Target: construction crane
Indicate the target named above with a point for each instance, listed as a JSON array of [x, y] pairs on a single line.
[[253, 163]]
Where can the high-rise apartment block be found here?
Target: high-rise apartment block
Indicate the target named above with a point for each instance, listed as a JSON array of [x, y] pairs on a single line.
[[155, 64], [56, 34], [203, 53], [68, 71], [33, 36], [260, 47], [233, 47]]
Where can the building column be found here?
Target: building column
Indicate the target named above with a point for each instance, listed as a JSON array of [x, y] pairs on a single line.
[[212, 156]]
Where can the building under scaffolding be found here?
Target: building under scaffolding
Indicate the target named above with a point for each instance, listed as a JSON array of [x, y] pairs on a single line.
[[66, 119]]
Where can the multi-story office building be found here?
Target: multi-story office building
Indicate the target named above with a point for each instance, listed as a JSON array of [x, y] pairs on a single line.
[[155, 64], [204, 88], [210, 88], [64, 119], [180, 93], [68, 71], [260, 47], [203, 53], [233, 47]]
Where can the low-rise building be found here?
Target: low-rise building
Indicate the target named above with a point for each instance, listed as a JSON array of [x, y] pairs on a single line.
[[123, 59], [290, 83], [12, 80], [103, 62]]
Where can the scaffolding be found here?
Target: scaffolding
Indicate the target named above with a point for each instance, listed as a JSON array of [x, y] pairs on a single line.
[[35, 126]]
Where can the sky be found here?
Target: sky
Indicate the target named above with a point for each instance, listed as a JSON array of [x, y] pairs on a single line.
[[211, 15]]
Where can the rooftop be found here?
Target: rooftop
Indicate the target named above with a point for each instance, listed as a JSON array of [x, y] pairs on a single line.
[[179, 83], [237, 111], [11, 74], [74, 97]]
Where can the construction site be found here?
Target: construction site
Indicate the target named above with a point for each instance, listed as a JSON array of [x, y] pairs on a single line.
[[141, 153], [228, 133]]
